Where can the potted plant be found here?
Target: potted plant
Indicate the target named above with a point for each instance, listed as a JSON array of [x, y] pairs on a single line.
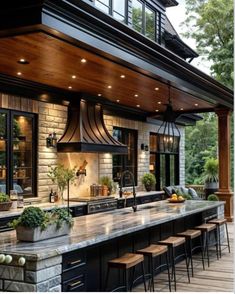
[[62, 176], [34, 224], [108, 183], [213, 197], [211, 177], [5, 203], [148, 180]]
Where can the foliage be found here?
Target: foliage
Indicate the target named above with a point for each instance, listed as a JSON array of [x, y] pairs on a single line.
[[4, 197], [106, 180], [213, 197], [137, 22], [61, 176], [33, 217], [148, 179], [210, 23], [201, 143], [187, 196], [211, 169]]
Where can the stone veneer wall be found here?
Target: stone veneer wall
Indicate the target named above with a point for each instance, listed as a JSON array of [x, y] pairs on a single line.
[[52, 118]]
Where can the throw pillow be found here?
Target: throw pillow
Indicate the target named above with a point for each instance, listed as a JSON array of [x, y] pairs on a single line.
[[193, 193]]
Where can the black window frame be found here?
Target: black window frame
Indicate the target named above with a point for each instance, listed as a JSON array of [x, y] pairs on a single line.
[[158, 158], [125, 132], [112, 11], [157, 17], [9, 149]]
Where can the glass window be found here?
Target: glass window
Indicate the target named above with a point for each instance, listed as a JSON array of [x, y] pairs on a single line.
[[149, 23], [125, 162], [22, 154], [119, 6], [3, 152], [103, 5], [137, 15]]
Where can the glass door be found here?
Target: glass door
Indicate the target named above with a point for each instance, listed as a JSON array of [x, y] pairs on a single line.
[[23, 154], [3, 151]]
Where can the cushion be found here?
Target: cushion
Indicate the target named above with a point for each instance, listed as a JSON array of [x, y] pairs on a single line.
[[184, 190], [193, 194]]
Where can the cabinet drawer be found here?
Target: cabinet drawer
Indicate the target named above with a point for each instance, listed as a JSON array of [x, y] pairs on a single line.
[[73, 260], [78, 211], [76, 284], [74, 273]]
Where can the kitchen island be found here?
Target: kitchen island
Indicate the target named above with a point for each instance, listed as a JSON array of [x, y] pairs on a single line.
[[78, 262]]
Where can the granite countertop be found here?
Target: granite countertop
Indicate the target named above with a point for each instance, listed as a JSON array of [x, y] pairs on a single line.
[[138, 194], [44, 206], [96, 228]]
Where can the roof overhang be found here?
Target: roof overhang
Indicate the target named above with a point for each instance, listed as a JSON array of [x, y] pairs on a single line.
[[85, 27]]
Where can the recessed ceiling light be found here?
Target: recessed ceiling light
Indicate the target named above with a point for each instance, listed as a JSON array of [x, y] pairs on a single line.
[[196, 104], [137, 105], [181, 109], [99, 95], [136, 95], [69, 87], [156, 89], [19, 73], [23, 61], [159, 102], [109, 87], [122, 76], [156, 110], [73, 77], [83, 60], [118, 100]]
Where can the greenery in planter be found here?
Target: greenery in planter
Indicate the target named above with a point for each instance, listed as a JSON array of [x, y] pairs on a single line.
[[213, 197], [211, 169], [62, 176], [148, 180], [106, 181], [4, 197], [33, 217]]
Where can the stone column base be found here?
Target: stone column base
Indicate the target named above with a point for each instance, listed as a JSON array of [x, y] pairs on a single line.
[[228, 209]]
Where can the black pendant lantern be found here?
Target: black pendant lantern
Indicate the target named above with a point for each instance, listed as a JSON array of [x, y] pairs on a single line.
[[168, 132]]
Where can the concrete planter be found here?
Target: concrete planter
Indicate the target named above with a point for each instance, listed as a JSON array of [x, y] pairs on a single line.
[[36, 234]]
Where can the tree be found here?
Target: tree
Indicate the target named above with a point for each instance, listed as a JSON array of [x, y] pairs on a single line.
[[210, 23]]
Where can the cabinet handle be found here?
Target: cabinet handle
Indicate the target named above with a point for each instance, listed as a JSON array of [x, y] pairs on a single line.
[[75, 284], [75, 262]]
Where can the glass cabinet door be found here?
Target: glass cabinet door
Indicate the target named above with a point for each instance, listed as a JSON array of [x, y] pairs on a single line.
[[22, 150], [3, 152]]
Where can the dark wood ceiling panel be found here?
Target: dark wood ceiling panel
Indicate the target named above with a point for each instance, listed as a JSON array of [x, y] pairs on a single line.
[[53, 62]]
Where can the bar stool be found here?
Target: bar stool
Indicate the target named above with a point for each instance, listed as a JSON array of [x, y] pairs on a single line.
[[153, 251], [126, 262], [173, 243], [219, 223], [205, 230], [190, 235]]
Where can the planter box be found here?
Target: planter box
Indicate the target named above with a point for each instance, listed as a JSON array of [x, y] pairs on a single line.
[[36, 234]]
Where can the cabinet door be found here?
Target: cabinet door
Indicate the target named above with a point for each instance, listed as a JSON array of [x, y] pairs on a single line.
[[23, 150], [3, 152]]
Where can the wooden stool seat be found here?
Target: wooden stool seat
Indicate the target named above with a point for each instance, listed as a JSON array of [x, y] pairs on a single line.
[[206, 227], [217, 221], [153, 250], [126, 261], [173, 241], [190, 234]]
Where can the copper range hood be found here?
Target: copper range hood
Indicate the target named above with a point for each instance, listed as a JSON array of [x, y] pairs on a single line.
[[86, 131]]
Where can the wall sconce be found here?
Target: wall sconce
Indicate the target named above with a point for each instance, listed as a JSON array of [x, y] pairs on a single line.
[[144, 147], [51, 140], [151, 167], [82, 169]]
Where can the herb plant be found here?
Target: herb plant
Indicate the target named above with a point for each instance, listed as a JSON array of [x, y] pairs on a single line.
[[4, 197], [213, 197]]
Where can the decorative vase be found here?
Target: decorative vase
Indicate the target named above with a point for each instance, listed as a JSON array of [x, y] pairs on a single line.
[[148, 188]]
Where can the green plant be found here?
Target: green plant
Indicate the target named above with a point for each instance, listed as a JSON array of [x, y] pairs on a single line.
[[105, 180], [62, 176], [33, 217], [213, 197], [148, 179], [4, 197], [186, 196], [211, 168]]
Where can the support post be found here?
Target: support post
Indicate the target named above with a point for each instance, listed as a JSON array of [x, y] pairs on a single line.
[[224, 193]]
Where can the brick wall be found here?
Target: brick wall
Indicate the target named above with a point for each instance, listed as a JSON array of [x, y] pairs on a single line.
[[52, 118]]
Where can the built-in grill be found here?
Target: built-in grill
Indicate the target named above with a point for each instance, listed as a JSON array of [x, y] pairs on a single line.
[[98, 204]]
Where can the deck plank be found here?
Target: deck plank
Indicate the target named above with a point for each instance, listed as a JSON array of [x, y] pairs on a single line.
[[219, 277]]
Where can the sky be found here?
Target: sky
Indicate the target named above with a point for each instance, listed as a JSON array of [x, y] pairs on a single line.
[[176, 15]]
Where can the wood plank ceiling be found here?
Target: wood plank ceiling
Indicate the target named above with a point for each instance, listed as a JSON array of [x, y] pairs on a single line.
[[57, 63]]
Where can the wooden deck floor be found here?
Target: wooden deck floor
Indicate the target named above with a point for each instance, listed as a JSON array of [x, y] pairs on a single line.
[[219, 277]]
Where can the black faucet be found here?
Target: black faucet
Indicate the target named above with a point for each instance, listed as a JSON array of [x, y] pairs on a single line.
[[134, 207]]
